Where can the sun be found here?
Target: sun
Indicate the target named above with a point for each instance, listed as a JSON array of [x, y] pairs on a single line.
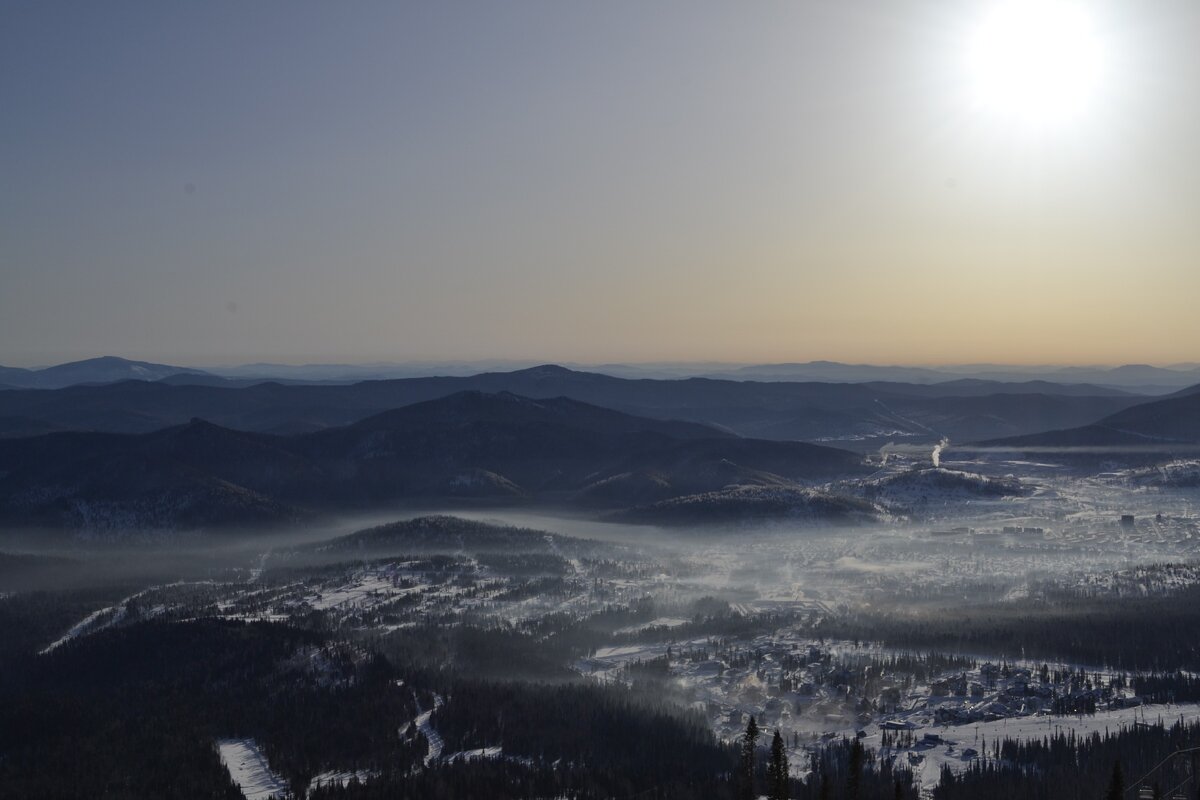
[[1035, 64]]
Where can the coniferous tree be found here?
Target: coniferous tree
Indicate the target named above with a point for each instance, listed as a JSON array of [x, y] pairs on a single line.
[[1116, 787], [746, 765], [777, 770], [854, 770]]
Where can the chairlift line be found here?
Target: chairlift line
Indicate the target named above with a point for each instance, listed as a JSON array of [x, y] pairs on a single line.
[[1159, 766]]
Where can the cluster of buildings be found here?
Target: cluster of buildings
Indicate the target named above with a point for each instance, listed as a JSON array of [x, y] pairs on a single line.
[[808, 689]]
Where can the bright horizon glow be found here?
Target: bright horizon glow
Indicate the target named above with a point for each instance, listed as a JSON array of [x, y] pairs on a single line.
[[892, 181], [1036, 64]]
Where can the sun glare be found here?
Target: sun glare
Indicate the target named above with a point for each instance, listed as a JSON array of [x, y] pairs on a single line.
[[1035, 64]]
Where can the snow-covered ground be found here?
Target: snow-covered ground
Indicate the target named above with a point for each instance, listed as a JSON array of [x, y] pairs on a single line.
[[250, 771], [786, 568], [97, 620], [797, 684], [363, 586], [472, 755], [957, 739], [112, 615], [790, 572], [423, 724], [335, 777], [660, 622]]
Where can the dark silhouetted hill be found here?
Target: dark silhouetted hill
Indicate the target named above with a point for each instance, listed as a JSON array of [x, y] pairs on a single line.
[[750, 504], [106, 369], [443, 533], [1153, 432], [856, 416], [498, 447]]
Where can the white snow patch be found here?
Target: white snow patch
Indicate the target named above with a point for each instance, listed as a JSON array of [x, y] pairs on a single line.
[[426, 728], [957, 738], [342, 777], [356, 592], [661, 622], [250, 771], [89, 622], [93, 623], [472, 755]]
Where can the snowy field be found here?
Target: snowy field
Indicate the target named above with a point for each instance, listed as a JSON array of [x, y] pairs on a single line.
[[1057, 533], [115, 614], [422, 723], [957, 739], [249, 769], [341, 777]]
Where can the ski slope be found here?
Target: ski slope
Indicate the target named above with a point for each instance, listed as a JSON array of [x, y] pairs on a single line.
[[249, 769]]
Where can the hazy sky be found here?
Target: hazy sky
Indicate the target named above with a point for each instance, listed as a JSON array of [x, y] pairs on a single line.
[[217, 182]]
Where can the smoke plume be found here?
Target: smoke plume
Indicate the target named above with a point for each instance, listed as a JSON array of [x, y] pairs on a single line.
[[937, 451]]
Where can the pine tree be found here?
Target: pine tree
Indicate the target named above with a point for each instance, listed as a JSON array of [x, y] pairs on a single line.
[[746, 766], [777, 770], [854, 770], [1116, 786]]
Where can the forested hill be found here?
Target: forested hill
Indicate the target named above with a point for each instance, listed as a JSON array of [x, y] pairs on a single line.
[[484, 447], [859, 415], [1154, 431]]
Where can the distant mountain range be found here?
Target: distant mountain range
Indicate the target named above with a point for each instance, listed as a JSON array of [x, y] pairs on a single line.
[[1139, 378], [159, 454], [469, 445], [860, 416], [1147, 432], [107, 369]]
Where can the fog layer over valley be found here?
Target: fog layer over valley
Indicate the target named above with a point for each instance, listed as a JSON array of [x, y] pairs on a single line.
[[986, 606], [491, 594]]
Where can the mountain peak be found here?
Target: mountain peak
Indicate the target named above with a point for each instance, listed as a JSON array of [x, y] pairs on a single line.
[[547, 371]]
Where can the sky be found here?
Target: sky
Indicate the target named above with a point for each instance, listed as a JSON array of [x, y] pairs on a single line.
[[222, 182]]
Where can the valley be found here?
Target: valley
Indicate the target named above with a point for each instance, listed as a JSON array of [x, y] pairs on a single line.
[[473, 561]]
